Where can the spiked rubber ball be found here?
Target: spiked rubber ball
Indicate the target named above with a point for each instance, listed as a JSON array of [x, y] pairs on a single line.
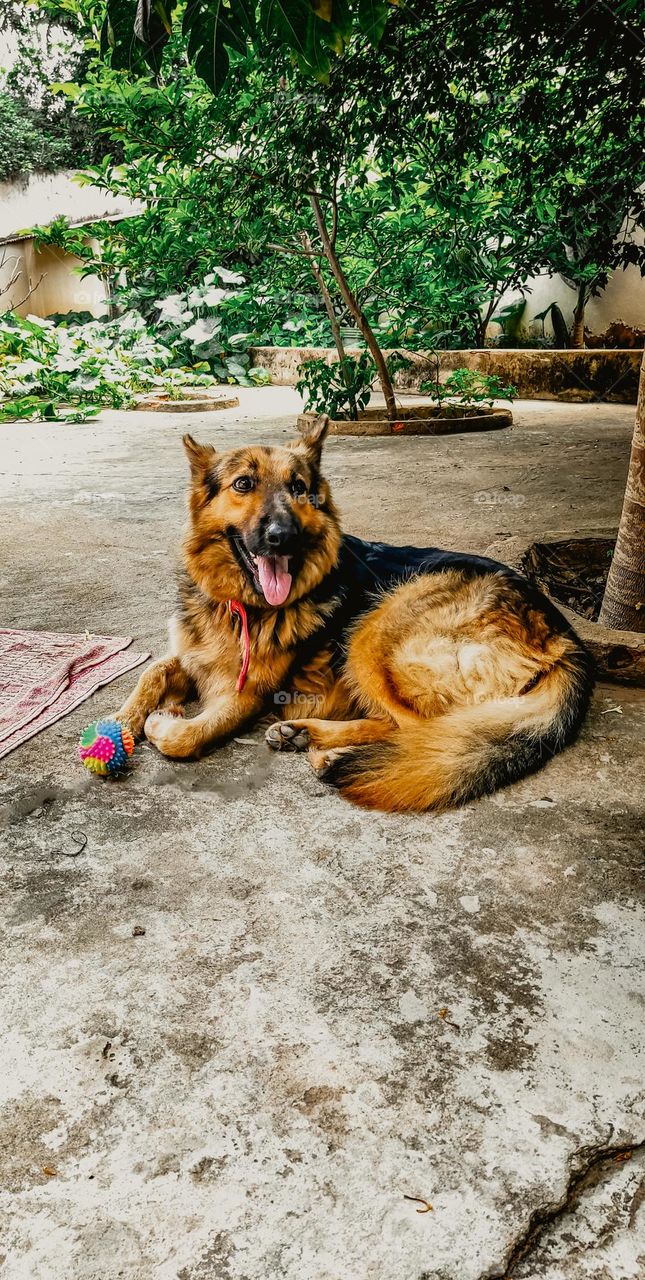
[[105, 747]]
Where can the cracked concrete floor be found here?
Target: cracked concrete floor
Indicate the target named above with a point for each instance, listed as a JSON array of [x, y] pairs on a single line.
[[329, 1010]]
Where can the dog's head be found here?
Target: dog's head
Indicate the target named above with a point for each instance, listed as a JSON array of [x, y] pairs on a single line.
[[263, 528]]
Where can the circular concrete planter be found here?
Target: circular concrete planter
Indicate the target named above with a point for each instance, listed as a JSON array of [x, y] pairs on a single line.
[[619, 655], [191, 402], [417, 420]]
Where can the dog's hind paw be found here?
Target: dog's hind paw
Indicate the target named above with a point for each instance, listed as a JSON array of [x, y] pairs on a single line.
[[287, 735]]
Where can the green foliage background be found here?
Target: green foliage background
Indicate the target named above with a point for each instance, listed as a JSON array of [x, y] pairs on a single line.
[[457, 150]]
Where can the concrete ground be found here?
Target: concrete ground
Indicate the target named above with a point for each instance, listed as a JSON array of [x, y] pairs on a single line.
[[331, 1012]]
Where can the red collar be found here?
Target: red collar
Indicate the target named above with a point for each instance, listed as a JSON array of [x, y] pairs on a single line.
[[236, 607]]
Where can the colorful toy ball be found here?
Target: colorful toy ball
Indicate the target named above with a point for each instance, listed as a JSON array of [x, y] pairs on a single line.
[[104, 747]]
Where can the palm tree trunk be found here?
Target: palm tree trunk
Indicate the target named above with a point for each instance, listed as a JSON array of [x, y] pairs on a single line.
[[353, 306], [623, 605], [578, 329]]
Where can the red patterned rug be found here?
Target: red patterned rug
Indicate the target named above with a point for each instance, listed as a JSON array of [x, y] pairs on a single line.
[[45, 675]]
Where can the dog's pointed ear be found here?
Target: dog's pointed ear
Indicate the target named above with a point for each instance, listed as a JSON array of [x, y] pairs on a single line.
[[200, 456], [313, 437]]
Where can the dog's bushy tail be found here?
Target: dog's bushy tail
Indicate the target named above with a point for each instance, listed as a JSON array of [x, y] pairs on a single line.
[[469, 751]]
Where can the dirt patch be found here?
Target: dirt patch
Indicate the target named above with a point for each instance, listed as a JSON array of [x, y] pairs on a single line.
[[572, 572]]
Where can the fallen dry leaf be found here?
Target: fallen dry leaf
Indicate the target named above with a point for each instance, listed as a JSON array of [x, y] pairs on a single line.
[[418, 1200]]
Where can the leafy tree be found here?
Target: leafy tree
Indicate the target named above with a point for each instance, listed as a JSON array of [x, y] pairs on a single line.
[[38, 132], [553, 96], [460, 181], [222, 165], [24, 147], [599, 209]]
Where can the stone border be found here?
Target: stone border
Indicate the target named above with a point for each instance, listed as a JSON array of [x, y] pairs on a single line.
[[578, 377], [153, 402], [415, 420], [619, 655]]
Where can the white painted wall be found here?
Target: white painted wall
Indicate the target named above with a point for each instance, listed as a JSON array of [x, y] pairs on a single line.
[[623, 299], [47, 281], [50, 273], [45, 196]]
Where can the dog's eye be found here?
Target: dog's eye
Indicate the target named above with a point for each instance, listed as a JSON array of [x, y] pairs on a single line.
[[243, 484], [298, 487]]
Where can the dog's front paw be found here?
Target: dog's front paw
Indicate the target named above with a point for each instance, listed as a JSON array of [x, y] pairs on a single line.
[[160, 730], [173, 709], [132, 720], [287, 735]]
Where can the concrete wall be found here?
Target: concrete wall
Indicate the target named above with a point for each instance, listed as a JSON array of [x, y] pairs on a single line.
[[576, 376], [51, 275]]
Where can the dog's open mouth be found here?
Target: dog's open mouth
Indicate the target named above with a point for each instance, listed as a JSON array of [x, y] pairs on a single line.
[[269, 574]]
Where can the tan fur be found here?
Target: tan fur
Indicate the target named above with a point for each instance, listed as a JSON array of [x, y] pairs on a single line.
[[433, 760], [439, 673]]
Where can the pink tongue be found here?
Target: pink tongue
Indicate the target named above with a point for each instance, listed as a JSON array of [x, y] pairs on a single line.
[[274, 578]]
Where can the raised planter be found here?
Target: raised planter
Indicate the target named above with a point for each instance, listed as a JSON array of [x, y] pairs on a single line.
[[191, 401], [619, 655], [417, 420], [605, 374]]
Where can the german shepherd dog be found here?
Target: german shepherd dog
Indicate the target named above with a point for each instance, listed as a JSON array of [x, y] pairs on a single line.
[[421, 679]]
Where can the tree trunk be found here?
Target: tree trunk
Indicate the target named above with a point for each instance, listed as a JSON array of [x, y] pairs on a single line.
[[483, 322], [331, 314], [623, 605], [353, 306], [326, 296], [578, 328]]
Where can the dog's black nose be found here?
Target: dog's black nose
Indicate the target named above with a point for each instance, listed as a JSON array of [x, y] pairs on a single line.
[[280, 533]]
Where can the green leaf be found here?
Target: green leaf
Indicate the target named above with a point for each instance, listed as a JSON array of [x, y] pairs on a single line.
[[372, 17], [70, 90], [117, 35], [152, 26], [212, 27], [289, 21]]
